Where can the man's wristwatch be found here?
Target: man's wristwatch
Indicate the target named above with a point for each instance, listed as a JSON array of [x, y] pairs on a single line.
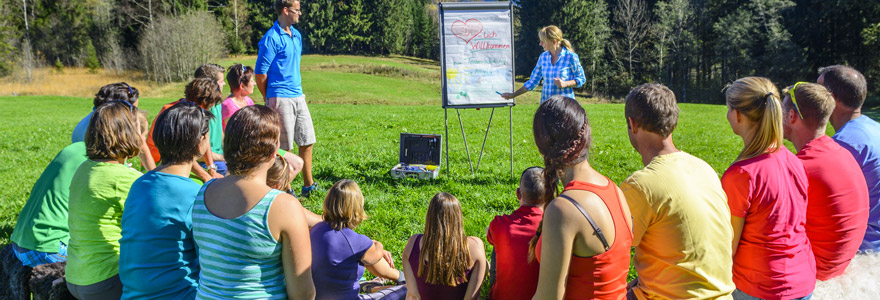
[[211, 167]]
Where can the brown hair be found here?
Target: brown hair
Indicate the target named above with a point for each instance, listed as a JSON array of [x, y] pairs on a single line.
[[445, 256], [532, 185], [278, 176], [237, 75], [814, 101], [112, 132], [848, 85], [653, 106], [344, 205], [204, 92], [209, 71], [281, 4], [251, 138], [554, 34], [178, 131], [562, 133], [758, 100], [120, 91]]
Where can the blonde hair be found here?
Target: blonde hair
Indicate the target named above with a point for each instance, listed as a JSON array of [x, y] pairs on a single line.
[[344, 205], [278, 176], [444, 257], [554, 34], [758, 100], [814, 101]]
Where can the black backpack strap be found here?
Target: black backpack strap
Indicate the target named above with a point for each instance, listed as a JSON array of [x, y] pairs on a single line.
[[592, 223]]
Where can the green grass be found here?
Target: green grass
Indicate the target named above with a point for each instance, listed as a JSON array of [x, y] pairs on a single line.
[[358, 118], [360, 142]]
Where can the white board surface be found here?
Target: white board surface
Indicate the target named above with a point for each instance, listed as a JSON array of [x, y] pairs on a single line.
[[477, 54]]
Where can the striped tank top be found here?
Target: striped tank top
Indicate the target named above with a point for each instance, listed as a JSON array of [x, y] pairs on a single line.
[[239, 258]]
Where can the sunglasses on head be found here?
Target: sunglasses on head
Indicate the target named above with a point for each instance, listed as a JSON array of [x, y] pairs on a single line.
[[793, 99]]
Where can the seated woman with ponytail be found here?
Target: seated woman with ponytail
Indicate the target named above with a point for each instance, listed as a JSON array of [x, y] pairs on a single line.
[[767, 193], [444, 263], [583, 242]]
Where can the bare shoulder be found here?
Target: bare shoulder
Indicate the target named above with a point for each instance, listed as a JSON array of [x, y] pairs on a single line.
[[286, 201], [409, 245]]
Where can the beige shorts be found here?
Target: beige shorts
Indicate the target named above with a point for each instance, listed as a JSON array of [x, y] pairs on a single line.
[[296, 121]]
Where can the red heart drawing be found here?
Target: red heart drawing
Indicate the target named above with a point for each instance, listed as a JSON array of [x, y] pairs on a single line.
[[467, 30]]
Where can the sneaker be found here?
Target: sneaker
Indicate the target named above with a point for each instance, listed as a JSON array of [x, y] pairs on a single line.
[[307, 190]]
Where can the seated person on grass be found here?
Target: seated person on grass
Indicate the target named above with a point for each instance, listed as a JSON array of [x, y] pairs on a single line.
[[206, 94], [282, 173], [41, 235], [857, 133], [681, 223], [157, 242], [215, 72], [837, 205], [515, 276], [444, 263], [340, 255], [120, 91], [98, 192], [241, 84]]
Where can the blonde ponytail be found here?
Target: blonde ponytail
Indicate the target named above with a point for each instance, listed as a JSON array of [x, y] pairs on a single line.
[[565, 43], [554, 34], [758, 100]]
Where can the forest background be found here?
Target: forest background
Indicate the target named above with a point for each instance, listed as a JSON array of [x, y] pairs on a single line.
[[695, 47]]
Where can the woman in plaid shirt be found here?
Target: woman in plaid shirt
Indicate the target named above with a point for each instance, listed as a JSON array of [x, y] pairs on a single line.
[[558, 63]]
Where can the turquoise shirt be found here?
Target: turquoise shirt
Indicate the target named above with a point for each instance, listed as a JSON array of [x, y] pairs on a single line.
[[157, 255], [215, 129]]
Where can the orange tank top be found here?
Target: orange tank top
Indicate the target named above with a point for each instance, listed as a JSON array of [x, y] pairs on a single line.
[[602, 276]]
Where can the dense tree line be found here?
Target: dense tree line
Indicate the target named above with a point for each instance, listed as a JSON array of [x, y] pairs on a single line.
[[698, 46], [693, 46]]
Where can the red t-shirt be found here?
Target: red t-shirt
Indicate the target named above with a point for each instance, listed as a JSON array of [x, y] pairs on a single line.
[[515, 276], [150, 144], [773, 259], [837, 210]]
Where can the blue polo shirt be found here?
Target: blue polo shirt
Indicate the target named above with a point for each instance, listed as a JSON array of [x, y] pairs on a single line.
[[859, 136], [279, 58]]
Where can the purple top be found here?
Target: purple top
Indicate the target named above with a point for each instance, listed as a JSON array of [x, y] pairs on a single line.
[[336, 261], [429, 291]]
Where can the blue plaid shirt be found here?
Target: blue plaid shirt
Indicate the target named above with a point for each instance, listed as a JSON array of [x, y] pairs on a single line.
[[567, 67]]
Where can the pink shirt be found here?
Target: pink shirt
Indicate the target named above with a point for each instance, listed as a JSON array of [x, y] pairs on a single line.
[[229, 107], [837, 210], [773, 259]]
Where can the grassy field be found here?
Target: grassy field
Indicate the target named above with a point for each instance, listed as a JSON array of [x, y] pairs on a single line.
[[358, 117]]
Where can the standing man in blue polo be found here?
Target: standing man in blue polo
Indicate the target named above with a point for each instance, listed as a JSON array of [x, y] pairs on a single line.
[[278, 77]]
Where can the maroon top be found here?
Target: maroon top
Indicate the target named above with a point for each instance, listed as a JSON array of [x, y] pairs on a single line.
[[429, 291]]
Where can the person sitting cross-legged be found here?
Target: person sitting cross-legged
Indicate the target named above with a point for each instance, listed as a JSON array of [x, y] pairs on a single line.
[[340, 255], [681, 223], [515, 276]]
